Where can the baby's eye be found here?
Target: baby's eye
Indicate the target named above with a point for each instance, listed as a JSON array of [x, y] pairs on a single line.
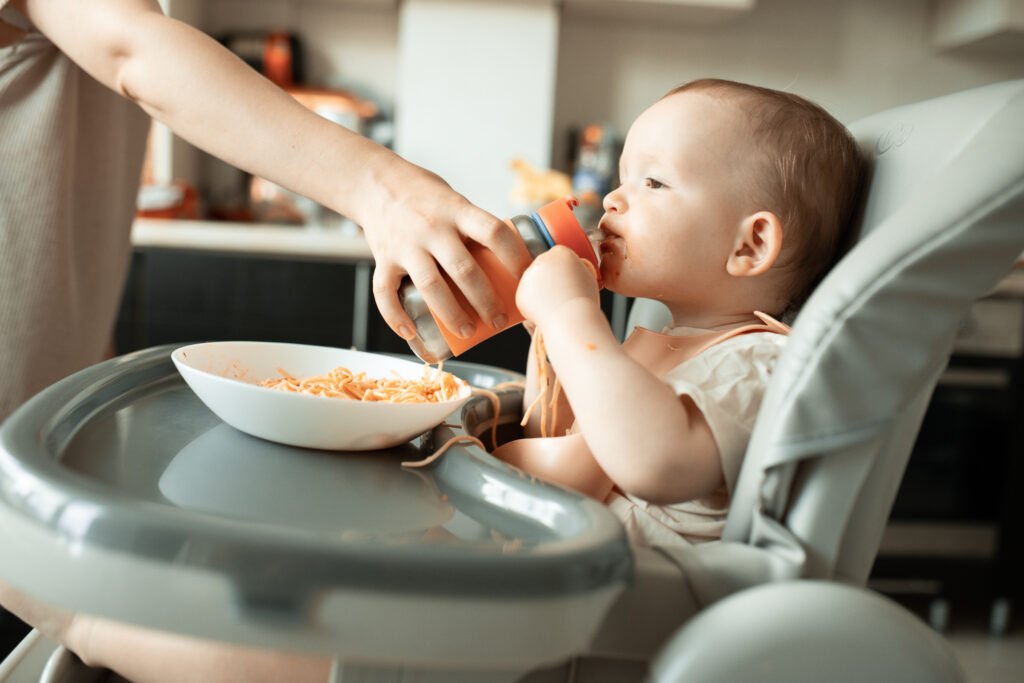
[[653, 184]]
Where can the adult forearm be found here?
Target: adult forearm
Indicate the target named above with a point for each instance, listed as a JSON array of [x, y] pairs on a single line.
[[414, 222], [208, 96], [147, 656], [237, 115]]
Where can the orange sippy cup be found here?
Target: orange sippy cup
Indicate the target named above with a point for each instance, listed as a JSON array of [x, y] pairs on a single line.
[[554, 223]]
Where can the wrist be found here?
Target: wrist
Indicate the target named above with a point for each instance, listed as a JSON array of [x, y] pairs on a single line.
[[78, 638], [579, 315], [372, 184]]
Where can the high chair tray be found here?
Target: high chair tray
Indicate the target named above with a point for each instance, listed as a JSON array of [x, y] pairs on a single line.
[[122, 495]]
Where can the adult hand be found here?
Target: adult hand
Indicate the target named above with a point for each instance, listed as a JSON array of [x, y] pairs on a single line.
[[419, 228], [555, 278]]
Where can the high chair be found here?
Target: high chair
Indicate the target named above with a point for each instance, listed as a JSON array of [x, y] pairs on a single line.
[[942, 224], [779, 597]]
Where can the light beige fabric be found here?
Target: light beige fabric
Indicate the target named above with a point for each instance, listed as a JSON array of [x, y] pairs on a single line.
[[727, 383], [71, 155]]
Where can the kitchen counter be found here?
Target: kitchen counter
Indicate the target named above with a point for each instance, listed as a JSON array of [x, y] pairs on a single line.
[[343, 245], [334, 244]]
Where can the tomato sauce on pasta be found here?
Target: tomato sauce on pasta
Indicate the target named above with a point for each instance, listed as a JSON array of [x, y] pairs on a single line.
[[435, 386]]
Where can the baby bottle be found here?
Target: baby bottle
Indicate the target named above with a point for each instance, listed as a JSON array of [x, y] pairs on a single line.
[[552, 224]]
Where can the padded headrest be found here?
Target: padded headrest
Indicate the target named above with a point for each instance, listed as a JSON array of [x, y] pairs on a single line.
[[942, 223]]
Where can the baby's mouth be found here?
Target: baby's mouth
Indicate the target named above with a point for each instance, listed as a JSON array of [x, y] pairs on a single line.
[[613, 248]]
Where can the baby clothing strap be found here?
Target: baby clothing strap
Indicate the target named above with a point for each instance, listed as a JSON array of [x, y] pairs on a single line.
[[660, 352]]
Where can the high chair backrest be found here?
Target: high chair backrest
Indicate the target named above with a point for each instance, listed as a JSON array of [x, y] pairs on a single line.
[[942, 223]]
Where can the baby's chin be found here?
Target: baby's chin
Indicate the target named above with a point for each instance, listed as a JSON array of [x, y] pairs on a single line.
[[611, 266], [611, 277]]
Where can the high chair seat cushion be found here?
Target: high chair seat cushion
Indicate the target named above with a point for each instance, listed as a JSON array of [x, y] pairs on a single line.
[[806, 632]]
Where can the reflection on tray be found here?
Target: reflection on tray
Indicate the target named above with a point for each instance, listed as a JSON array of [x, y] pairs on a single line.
[[229, 473], [350, 496]]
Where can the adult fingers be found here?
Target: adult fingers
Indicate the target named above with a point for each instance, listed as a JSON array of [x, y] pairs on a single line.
[[466, 273], [386, 280], [437, 294], [497, 236]]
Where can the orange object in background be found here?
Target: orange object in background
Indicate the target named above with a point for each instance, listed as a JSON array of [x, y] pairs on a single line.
[[339, 106], [277, 59], [535, 186]]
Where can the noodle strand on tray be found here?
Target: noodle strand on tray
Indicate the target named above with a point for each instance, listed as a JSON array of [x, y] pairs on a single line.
[[458, 438]]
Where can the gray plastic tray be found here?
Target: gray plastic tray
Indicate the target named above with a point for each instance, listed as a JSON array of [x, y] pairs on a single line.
[[119, 470]]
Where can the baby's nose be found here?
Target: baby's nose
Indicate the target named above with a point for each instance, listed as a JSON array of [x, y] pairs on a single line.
[[614, 200]]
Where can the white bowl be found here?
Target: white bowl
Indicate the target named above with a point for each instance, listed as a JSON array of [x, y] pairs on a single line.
[[224, 375]]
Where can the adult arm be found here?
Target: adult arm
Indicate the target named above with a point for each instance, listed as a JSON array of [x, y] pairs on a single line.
[[147, 656], [414, 222]]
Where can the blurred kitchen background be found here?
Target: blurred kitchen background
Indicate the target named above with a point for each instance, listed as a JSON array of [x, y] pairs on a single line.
[[515, 102]]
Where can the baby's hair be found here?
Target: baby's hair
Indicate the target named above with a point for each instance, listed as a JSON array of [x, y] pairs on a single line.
[[809, 175]]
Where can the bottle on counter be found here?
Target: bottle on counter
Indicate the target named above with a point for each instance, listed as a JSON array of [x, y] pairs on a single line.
[[554, 223]]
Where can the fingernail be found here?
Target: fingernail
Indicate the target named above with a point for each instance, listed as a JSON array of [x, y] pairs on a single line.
[[500, 321], [406, 332], [467, 330]]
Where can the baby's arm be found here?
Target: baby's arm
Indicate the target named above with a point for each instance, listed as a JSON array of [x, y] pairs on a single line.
[[651, 442]]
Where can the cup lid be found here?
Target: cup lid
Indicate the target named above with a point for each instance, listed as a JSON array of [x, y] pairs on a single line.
[[561, 223]]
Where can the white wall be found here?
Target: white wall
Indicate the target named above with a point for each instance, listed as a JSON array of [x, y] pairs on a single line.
[[854, 57], [476, 90]]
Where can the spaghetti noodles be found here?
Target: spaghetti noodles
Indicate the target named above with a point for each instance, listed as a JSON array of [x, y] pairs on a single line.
[[459, 438], [435, 386], [543, 382], [495, 410]]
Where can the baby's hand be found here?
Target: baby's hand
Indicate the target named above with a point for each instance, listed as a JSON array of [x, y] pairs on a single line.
[[554, 278]]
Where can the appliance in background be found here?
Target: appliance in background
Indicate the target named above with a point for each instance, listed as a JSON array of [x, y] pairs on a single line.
[[275, 54], [594, 159], [954, 540]]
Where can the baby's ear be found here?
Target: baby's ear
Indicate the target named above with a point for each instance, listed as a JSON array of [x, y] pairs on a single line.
[[758, 243]]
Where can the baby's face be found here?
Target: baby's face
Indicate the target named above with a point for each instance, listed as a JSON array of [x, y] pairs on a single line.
[[672, 221]]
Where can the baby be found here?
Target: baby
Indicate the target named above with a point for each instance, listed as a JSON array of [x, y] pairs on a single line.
[[734, 201]]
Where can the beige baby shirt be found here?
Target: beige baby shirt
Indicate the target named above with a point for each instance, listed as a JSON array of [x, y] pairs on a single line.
[[727, 382]]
